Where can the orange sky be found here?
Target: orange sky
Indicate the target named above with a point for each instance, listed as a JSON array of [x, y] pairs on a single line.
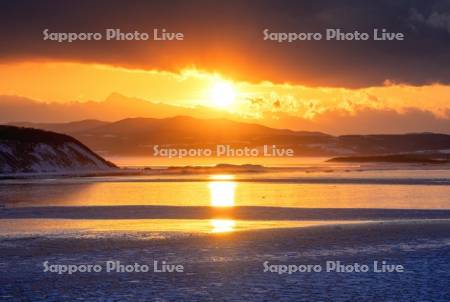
[[68, 82], [63, 82]]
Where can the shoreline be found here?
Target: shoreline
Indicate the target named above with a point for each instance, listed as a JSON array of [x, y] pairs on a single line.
[[220, 168]]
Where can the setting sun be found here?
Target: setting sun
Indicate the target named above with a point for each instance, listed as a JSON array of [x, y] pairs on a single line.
[[223, 94]]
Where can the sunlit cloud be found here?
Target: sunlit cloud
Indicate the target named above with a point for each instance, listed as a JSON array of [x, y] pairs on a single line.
[[264, 102]]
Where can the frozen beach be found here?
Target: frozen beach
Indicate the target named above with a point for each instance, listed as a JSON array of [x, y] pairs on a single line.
[[235, 235], [230, 266]]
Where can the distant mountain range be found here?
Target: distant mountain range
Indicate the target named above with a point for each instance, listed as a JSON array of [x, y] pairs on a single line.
[[25, 150], [423, 158], [136, 136], [114, 107]]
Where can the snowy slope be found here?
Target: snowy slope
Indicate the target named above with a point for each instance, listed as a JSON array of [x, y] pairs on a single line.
[[25, 150]]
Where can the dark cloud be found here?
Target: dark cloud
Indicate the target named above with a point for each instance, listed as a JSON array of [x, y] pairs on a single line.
[[226, 36], [436, 19]]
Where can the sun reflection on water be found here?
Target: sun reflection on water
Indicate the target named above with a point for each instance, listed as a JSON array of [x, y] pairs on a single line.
[[222, 225], [222, 188]]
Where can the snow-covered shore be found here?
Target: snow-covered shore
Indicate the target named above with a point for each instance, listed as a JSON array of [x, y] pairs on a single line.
[[230, 267], [27, 150]]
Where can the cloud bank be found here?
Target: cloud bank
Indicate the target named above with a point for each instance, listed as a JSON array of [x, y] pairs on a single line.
[[226, 36]]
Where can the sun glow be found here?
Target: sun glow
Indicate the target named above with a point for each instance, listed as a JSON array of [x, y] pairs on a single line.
[[222, 191], [222, 225], [222, 94]]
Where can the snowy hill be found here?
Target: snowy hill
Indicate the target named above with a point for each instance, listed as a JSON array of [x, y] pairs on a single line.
[[26, 150]]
